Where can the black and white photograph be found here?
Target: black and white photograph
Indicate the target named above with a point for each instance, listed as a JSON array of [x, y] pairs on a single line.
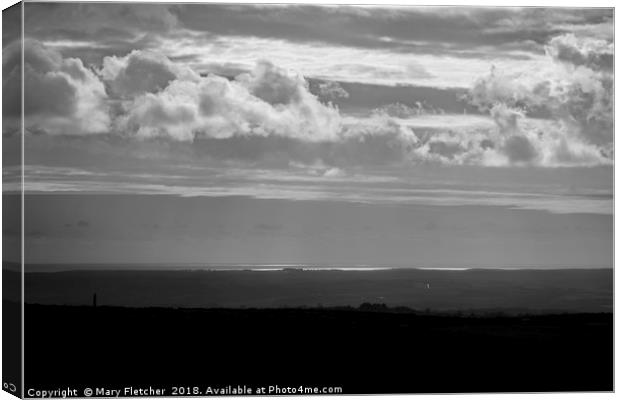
[[225, 199]]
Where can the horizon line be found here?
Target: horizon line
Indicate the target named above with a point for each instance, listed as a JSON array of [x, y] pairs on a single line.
[[239, 267]]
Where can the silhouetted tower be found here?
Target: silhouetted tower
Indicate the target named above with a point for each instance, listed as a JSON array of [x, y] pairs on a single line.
[[94, 299]]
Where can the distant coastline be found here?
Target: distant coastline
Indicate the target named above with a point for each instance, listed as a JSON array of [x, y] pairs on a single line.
[[516, 290], [58, 267]]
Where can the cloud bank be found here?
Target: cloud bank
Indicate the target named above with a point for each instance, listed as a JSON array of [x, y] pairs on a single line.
[[558, 115]]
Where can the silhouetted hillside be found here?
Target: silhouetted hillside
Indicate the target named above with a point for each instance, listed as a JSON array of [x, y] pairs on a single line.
[[363, 350]]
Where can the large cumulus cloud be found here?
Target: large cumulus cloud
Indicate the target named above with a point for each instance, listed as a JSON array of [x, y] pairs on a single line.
[[573, 91], [62, 96], [267, 101]]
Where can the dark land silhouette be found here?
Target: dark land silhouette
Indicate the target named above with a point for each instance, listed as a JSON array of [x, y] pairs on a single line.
[[371, 349], [389, 331]]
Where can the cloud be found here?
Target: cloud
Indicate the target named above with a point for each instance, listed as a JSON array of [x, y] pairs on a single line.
[[266, 101], [396, 72], [400, 110], [387, 45], [519, 149], [361, 145], [334, 172], [86, 21], [579, 97], [461, 147], [274, 85], [141, 72], [331, 90], [559, 115], [506, 118], [61, 95], [436, 30], [573, 90], [324, 61], [588, 188], [91, 31], [590, 52]]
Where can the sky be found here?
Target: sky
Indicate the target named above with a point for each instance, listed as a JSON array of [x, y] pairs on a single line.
[[408, 136]]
